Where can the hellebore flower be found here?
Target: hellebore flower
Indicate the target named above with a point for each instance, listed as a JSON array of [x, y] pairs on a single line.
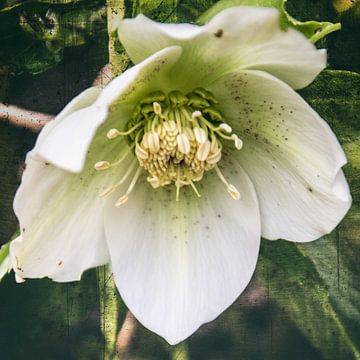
[[174, 170]]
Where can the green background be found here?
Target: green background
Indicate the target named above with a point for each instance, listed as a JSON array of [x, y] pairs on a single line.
[[303, 301]]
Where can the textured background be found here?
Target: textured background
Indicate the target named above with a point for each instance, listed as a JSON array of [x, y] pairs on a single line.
[[303, 301]]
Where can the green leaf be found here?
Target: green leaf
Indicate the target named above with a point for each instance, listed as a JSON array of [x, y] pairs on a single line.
[[317, 283], [5, 263], [36, 33], [313, 30]]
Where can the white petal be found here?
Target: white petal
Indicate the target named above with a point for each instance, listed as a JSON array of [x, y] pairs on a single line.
[[178, 265], [83, 100], [237, 38], [290, 153], [67, 141], [61, 219], [62, 230]]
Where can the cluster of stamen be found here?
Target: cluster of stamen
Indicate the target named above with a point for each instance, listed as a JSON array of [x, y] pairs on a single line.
[[176, 138]]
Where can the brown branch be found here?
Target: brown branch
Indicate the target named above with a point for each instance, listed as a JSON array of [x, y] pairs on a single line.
[[34, 120], [28, 119], [104, 76], [126, 334]]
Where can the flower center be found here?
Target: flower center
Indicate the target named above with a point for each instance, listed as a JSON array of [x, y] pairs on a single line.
[[177, 138]]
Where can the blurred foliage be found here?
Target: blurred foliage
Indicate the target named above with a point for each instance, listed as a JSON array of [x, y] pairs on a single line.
[[34, 34], [12, 153], [343, 46], [50, 321], [168, 10], [304, 300], [313, 30], [317, 283]]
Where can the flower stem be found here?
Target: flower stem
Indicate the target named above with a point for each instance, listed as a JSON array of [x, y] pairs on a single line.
[[180, 352], [109, 310]]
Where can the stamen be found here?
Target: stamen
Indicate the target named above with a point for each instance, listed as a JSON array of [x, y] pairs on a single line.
[[153, 141], [109, 190], [183, 143], [178, 119], [190, 134], [231, 189], [214, 145], [238, 142], [214, 158], [177, 183], [170, 126], [102, 165], [200, 135], [123, 199], [234, 193], [226, 127], [140, 152], [203, 151], [154, 181], [196, 114], [157, 108], [194, 187], [122, 158], [114, 133], [176, 138]]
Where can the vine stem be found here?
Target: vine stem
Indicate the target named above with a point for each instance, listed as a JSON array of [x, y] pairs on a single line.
[[118, 59], [108, 296], [109, 312]]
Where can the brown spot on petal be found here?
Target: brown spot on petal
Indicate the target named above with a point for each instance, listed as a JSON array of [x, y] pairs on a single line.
[[219, 33]]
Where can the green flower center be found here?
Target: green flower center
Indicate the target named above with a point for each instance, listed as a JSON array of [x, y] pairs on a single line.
[[176, 139]]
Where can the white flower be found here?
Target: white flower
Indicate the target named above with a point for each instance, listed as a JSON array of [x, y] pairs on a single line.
[[205, 109]]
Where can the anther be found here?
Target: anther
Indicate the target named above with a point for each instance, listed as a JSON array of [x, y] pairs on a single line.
[[112, 134], [231, 189], [183, 143], [154, 143], [225, 127], [200, 135], [157, 108], [234, 193], [237, 141], [122, 201], [203, 151], [140, 152], [196, 114], [214, 158], [154, 181], [102, 165]]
